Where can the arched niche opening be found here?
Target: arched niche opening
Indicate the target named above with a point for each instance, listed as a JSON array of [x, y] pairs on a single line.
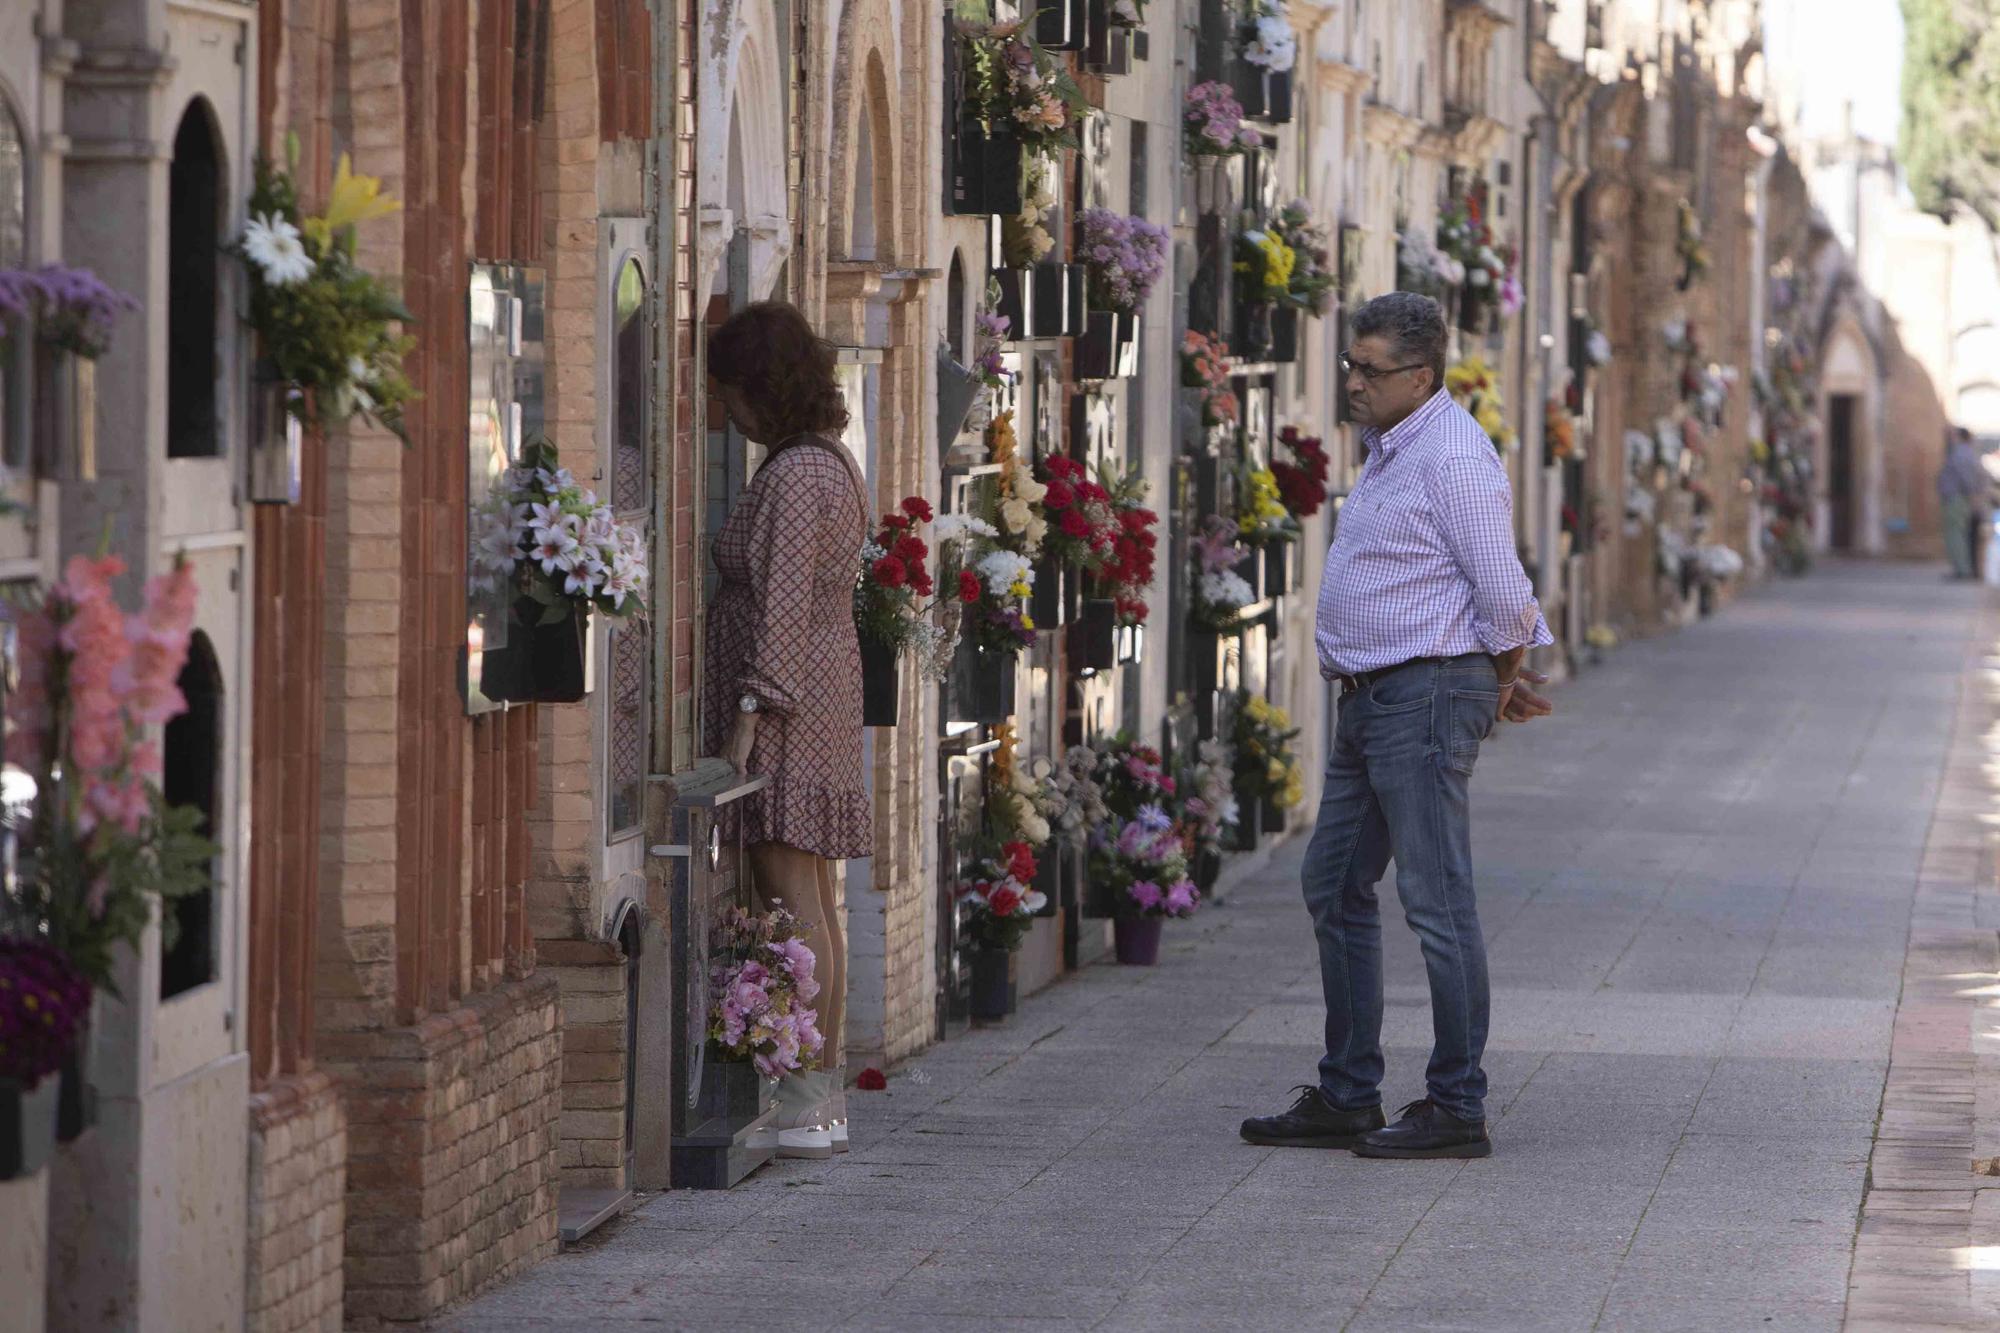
[[192, 776], [955, 312], [195, 200]]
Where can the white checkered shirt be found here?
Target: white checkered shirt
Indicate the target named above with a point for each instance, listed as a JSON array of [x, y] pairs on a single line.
[[1423, 561]]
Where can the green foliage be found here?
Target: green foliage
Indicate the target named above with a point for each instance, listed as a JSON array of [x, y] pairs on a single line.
[[1951, 106]]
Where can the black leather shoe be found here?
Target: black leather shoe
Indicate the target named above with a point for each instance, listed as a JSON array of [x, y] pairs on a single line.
[[1312, 1123], [1423, 1129]]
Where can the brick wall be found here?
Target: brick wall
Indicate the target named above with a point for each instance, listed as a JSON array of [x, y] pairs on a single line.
[[452, 1150], [591, 975], [298, 1186]]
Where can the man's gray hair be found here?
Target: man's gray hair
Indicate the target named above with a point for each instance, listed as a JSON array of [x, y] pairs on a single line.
[[1414, 326]]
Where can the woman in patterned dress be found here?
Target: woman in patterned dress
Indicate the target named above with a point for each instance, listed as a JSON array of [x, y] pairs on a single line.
[[783, 667]]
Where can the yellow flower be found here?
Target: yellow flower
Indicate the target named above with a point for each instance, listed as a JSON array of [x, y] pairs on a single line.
[[354, 200], [1027, 621], [1000, 441]]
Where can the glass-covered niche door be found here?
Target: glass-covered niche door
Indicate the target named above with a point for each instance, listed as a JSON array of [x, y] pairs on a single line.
[[504, 307]]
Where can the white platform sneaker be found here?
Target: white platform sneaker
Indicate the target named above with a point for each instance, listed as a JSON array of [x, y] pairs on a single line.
[[805, 1126]]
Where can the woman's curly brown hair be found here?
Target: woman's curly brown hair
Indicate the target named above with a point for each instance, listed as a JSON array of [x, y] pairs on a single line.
[[768, 351]]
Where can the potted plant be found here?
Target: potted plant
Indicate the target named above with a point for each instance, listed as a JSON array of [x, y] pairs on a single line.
[[760, 1022], [1001, 893], [1267, 773], [1080, 528], [329, 331], [547, 554], [100, 844], [1489, 283], [1118, 588], [988, 567], [1010, 79], [890, 601], [44, 1004], [1212, 124], [1123, 258]]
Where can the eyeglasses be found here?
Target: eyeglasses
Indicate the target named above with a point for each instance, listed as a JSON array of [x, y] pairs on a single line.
[[1348, 365]]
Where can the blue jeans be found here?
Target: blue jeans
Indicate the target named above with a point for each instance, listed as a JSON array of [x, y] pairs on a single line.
[[1396, 786]]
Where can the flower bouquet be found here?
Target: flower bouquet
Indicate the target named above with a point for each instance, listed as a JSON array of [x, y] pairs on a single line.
[[1001, 890], [1264, 262], [1301, 483], [326, 325], [1268, 39], [1689, 245], [1558, 430], [1123, 257], [1476, 387], [1261, 516], [71, 308], [1209, 811], [891, 595], [1126, 576], [549, 553], [1488, 265], [1212, 123], [1220, 593], [1421, 266], [101, 843], [1081, 522], [1141, 861], [760, 984], [1205, 366], [1024, 241], [1314, 279], [1266, 770], [44, 1006], [1010, 80]]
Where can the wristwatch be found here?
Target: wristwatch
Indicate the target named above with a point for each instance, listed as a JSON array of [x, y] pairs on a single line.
[[747, 704]]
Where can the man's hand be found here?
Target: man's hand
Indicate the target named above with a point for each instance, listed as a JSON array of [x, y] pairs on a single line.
[[1519, 703], [741, 738]]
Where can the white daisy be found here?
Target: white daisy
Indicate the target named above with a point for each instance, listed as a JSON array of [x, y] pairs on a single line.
[[273, 245]]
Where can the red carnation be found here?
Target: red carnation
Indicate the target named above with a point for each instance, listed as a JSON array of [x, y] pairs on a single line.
[[921, 584], [1075, 524], [918, 508], [910, 550], [894, 522], [891, 572], [1059, 494], [1003, 900], [871, 1080], [1020, 861], [968, 586], [1093, 493]]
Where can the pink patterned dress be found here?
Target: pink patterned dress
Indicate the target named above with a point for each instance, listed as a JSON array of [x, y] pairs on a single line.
[[782, 628]]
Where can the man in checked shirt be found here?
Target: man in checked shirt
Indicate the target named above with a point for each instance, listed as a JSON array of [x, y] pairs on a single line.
[[1425, 616]]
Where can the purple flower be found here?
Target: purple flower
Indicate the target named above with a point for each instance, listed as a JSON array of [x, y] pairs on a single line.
[[1181, 898], [1145, 893], [75, 308]]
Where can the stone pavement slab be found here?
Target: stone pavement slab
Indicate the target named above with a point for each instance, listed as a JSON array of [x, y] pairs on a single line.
[[1698, 883]]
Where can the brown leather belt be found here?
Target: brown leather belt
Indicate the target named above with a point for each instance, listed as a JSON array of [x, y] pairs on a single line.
[[1350, 683]]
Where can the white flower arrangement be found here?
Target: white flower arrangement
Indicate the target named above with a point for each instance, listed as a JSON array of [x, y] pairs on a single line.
[[1006, 574], [548, 535], [958, 527], [1226, 590], [1272, 44]]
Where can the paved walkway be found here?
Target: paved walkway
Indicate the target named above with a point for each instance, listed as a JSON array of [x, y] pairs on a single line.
[[1698, 881]]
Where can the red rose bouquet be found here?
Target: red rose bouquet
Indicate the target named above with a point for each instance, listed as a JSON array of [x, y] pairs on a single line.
[[1002, 892], [1302, 479], [1082, 523], [893, 590], [1126, 574]]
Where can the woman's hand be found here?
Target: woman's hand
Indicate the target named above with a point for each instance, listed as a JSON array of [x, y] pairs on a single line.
[[742, 737]]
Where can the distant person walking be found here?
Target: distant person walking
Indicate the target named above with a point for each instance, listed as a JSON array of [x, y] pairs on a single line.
[[1425, 617], [1966, 492]]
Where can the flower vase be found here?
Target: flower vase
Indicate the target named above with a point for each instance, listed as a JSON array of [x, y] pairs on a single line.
[[1055, 599], [1206, 869], [881, 682], [1284, 335], [732, 1090], [76, 1096], [1131, 644], [986, 171], [1277, 569], [277, 439], [67, 403], [982, 685], [1093, 637], [1253, 330], [539, 663], [27, 1126], [1274, 816], [993, 991], [1137, 939]]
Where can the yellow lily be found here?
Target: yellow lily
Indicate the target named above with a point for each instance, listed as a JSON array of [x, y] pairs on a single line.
[[354, 200]]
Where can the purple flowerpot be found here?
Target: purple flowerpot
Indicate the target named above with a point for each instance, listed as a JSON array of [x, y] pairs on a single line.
[[1137, 939]]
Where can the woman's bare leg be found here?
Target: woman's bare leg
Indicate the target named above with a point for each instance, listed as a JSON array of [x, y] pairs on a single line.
[[802, 884]]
